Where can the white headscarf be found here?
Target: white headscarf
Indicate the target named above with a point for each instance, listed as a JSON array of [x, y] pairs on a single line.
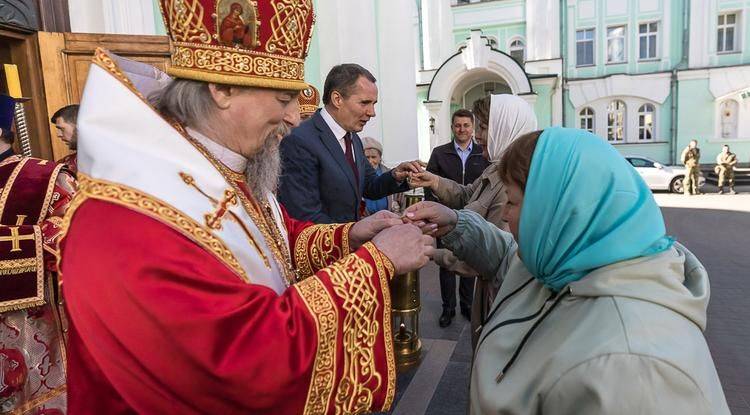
[[510, 118]]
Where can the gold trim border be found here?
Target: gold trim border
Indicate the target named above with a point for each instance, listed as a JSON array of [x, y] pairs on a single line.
[[322, 309], [38, 300], [50, 191], [385, 272], [152, 207], [240, 80], [9, 184]]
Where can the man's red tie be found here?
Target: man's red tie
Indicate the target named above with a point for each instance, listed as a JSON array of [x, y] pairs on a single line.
[[350, 155]]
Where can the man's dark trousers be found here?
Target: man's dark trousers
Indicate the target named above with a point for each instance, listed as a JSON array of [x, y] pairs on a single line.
[[445, 162]]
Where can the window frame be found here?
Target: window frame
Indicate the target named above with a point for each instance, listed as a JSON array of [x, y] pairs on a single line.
[[613, 126], [657, 55], [624, 44], [648, 164], [736, 27], [522, 49], [642, 128], [593, 46], [590, 116]]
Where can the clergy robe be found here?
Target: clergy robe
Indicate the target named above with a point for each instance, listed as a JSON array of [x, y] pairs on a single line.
[[35, 194], [180, 304]]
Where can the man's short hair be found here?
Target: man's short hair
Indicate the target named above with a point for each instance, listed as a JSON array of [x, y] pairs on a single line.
[[462, 113], [342, 78], [68, 113]]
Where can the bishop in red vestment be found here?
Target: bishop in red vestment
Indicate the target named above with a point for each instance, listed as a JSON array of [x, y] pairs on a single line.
[[201, 295]]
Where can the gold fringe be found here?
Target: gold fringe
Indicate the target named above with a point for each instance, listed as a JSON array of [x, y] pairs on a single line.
[[22, 305], [16, 271]]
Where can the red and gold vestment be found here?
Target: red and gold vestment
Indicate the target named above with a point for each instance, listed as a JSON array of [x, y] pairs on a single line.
[[34, 196]]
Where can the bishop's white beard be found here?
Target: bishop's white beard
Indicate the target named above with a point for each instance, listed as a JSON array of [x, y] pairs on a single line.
[[264, 168]]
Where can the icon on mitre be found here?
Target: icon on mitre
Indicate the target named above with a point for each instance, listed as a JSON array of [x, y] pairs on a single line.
[[238, 23]]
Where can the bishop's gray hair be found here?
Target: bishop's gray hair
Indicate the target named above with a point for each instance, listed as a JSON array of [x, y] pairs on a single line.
[[187, 101]]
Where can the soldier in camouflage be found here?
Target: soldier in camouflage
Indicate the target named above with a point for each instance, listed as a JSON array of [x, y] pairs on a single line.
[[691, 156], [725, 162]]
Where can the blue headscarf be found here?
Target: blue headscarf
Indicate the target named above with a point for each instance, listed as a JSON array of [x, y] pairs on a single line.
[[584, 207]]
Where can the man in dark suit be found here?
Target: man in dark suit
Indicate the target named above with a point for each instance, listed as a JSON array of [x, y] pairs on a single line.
[[325, 171], [460, 160]]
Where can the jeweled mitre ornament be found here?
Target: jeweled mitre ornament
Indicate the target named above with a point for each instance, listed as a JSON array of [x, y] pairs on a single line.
[[239, 42], [309, 100]]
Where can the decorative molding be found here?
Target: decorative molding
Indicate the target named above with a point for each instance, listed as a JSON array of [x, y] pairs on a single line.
[[649, 87], [20, 13]]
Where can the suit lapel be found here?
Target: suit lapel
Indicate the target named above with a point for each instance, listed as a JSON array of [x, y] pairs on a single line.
[[333, 146]]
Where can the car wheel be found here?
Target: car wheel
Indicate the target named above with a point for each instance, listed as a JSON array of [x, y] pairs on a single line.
[[676, 186]]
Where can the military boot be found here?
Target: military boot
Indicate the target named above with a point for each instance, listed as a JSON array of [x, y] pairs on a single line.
[[721, 190], [731, 190]]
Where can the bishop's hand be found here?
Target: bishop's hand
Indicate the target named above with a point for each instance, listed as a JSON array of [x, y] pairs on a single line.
[[366, 229], [406, 247]]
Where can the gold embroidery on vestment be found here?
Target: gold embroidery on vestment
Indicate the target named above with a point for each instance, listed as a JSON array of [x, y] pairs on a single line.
[[150, 206], [50, 191], [323, 311], [385, 271], [316, 248], [24, 266], [352, 281], [9, 184]]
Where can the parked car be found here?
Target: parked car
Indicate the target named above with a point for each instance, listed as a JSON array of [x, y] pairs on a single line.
[[661, 177]]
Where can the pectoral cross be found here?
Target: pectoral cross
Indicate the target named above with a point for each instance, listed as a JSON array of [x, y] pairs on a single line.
[[15, 239], [213, 220]]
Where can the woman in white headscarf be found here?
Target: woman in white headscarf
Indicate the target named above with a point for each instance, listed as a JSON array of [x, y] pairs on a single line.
[[499, 120]]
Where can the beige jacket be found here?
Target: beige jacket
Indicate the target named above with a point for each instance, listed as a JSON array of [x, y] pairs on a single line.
[[485, 196], [625, 339]]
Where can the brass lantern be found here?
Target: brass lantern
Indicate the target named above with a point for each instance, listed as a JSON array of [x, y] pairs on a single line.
[[406, 307]]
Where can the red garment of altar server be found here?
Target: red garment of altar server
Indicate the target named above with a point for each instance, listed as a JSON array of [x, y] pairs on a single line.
[[160, 326]]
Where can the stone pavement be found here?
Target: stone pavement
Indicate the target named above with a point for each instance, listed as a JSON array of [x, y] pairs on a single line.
[[715, 227]]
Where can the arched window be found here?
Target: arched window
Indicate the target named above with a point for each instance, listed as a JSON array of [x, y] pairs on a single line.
[[586, 119], [646, 117], [517, 50], [729, 113], [616, 121]]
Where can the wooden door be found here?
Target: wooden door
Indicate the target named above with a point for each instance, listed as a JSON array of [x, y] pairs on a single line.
[[66, 58]]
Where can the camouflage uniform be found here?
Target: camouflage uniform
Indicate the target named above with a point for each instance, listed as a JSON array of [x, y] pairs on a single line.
[[725, 163], [691, 159]]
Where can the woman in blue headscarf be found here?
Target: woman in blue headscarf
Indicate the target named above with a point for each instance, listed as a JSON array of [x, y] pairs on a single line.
[[599, 311]]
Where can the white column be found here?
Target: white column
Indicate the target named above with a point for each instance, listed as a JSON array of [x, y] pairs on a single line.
[[701, 39], [372, 35], [542, 29], [437, 32], [86, 16], [397, 82], [132, 17]]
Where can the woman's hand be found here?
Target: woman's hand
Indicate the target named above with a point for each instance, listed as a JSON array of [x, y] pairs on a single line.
[[424, 179], [432, 218]]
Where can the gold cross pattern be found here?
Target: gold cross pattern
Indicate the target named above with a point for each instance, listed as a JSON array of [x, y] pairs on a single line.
[[15, 239]]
